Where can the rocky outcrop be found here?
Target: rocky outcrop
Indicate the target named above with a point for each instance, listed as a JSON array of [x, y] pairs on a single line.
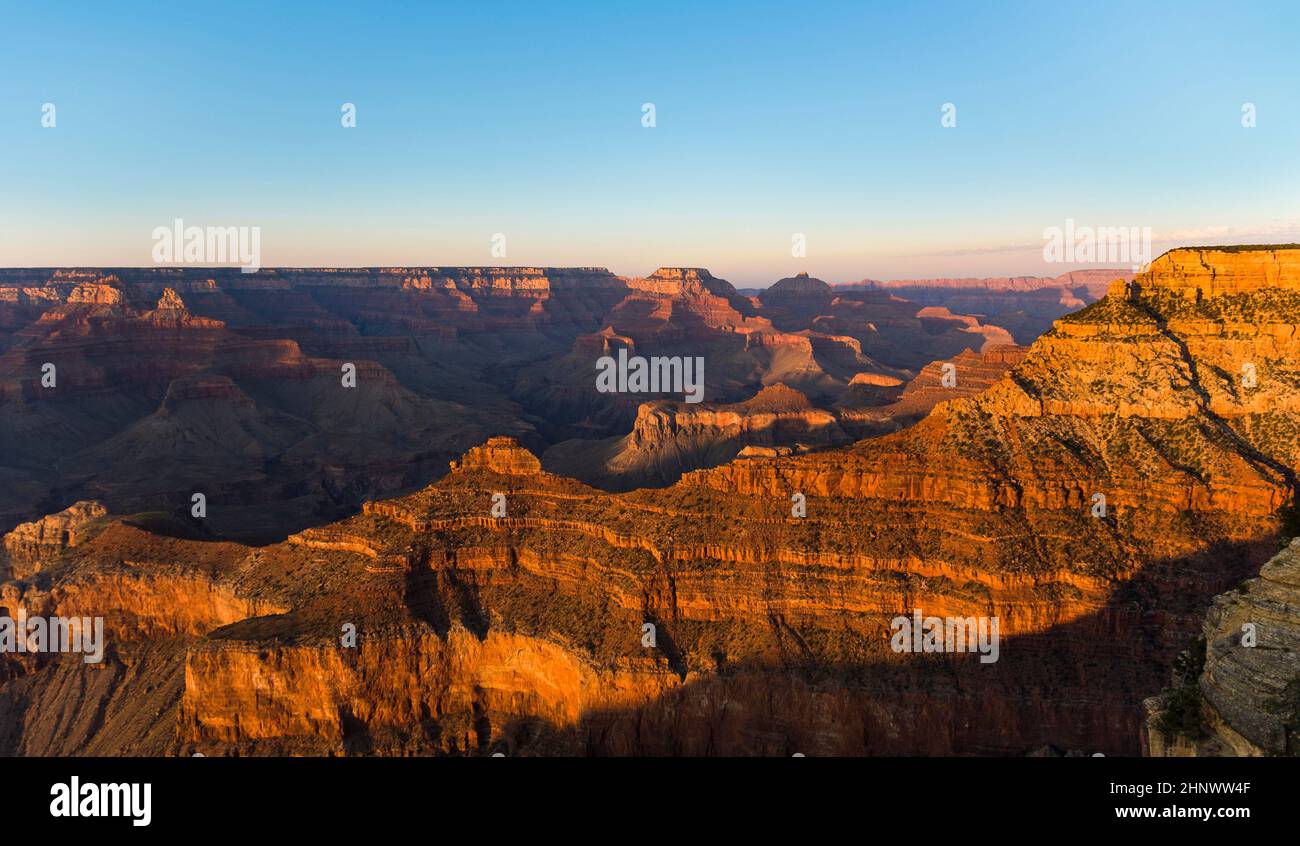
[[791, 303], [1208, 272], [95, 293], [31, 544], [1245, 700], [1025, 306], [1093, 499], [670, 438], [872, 406], [499, 455], [242, 372]]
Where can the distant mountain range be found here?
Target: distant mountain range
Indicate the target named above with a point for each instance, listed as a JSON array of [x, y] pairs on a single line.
[[174, 380]]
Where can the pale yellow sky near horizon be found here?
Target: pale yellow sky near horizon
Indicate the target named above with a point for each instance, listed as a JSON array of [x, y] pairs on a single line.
[[764, 258]]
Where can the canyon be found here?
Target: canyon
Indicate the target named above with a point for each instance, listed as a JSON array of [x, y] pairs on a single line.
[[1236, 690], [597, 575], [1026, 306], [139, 387]]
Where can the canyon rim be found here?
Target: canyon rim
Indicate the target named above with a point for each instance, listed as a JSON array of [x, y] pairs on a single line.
[[747, 415], [720, 581]]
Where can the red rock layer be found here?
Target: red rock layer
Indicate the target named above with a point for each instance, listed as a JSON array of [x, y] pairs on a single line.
[[524, 631]]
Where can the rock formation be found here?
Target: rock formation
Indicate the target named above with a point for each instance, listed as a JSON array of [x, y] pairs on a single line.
[[30, 543], [791, 303], [1094, 498], [171, 380], [873, 406], [669, 438], [1245, 700], [1023, 305]]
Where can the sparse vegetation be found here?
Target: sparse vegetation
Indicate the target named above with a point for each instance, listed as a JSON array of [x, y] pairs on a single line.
[[1183, 715], [1289, 517], [1113, 310], [1247, 248]]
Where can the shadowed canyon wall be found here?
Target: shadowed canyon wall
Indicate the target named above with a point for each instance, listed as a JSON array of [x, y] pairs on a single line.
[[1094, 494], [137, 387]]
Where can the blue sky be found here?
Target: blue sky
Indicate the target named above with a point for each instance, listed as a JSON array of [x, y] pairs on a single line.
[[525, 119]]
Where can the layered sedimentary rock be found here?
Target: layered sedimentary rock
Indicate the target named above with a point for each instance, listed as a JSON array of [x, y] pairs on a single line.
[[669, 438], [157, 596], [108, 376], [1093, 499], [1245, 699], [30, 543], [1210, 272], [792, 302], [136, 400], [688, 312], [1024, 305], [873, 406]]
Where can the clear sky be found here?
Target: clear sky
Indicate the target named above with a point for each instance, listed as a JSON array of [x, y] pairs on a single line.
[[526, 119]]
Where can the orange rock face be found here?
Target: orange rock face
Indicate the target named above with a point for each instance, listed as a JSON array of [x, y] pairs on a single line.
[[669, 438], [29, 543], [166, 380], [499, 455], [1092, 498]]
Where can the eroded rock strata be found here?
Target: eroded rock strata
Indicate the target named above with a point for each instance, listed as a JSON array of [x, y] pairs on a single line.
[[524, 630], [1244, 698], [1024, 305], [138, 387]]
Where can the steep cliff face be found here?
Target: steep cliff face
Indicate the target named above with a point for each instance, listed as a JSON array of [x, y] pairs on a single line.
[[1093, 499], [142, 405], [1149, 396], [156, 595], [770, 632], [139, 386], [526, 633], [873, 406], [1238, 691], [1025, 306], [30, 544], [670, 438], [1210, 272]]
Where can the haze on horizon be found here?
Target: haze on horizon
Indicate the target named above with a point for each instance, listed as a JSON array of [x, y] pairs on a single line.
[[770, 120]]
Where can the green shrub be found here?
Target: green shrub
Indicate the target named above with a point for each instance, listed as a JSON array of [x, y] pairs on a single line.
[[1183, 714], [1289, 515]]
